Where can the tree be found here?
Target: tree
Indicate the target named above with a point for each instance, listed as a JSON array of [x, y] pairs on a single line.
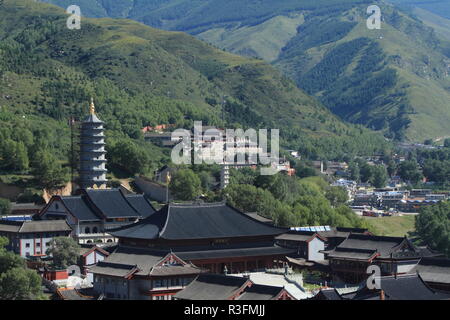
[[48, 170], [65, 252], [5, 207], [7, 154], [355, 174], [433, 226], [304, 171], [447, 143], [337, 196], [185, 185], [409, 171], [16, 281], [20, 284], [391, 168], [207, 181], [379, 176], [128, 157], [366, 172], [21, 157]]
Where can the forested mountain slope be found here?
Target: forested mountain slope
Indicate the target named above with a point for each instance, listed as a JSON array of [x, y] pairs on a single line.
[[394, 79], [143, 76]]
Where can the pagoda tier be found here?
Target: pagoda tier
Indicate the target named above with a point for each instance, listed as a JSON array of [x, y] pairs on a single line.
[[92, 152]]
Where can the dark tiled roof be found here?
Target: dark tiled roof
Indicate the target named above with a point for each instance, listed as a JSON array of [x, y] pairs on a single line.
[[212, 287], [299, 236], [196, 221], [128, 257], [79, 208], [141, 204], [113, 269], [77, 294], [355, 254], [139, 261], [92, 118], [360, 245], [327, 294], [234, 252], [112, 203], [402, 287], [35, 226], [436, 270], [352, 230], [258, 217], [261, 292], [25, 206]]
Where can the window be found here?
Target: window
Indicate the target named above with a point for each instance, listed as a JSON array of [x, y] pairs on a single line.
[[157, 283], [95, 230], [27, 245], [87, 230], [38, 244]]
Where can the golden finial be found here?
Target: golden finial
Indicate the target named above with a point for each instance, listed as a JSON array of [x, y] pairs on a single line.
[[92, 107]]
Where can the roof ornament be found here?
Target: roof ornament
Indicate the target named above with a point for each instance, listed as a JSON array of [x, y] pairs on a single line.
[[92, 107]]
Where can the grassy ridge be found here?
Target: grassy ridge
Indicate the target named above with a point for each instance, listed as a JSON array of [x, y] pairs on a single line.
[[392, 226], [143, 76], [303, 35]]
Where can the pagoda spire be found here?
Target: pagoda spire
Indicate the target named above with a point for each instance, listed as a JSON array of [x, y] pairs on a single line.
[[92, 107]]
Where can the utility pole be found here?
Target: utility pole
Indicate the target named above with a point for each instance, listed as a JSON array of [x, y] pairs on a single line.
[[223, 108]]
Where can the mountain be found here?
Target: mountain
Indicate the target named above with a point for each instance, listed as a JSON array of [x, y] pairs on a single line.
[[143, 76], [435, 14], [438, 7], [394, 80]]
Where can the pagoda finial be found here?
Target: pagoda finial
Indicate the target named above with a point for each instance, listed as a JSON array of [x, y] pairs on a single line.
[[92, 107]]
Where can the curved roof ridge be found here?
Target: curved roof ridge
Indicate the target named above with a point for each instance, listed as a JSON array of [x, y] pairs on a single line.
[[193, 205], [126, 200], [253, 219], [167, 207], [374, 237]]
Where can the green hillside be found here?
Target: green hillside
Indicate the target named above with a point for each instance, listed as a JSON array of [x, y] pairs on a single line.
[[143, 76], [437, 7], [394, 80]]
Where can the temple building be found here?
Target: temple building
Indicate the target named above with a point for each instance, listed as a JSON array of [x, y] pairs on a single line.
[[350, 259], [32, 238], [401, 287], [214, 237], [91, 212], [92, 152], [211, 236], [142, 274]]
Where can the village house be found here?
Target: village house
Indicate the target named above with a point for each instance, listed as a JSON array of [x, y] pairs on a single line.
[[32, 238]]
